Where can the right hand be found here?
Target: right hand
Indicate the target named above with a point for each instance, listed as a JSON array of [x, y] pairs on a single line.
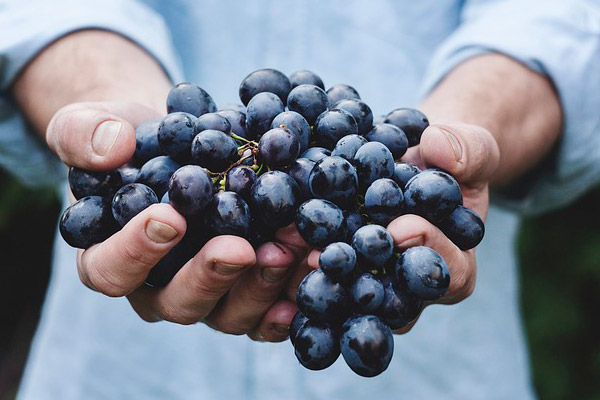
[[227, 284]]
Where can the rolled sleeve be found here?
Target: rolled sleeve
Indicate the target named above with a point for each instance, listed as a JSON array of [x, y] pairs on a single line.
[[27, 28], [560, 39]]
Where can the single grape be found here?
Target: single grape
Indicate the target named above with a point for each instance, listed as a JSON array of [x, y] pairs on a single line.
[[300, 171], [320, 222], [373, 245], [391, 136], [274, 199], [214, 150], [373, 161], [399, 306], [157, 172], [240, 180], [264, 80], [463, 227], [432, 194], [383, 201], [347, 146], [87, 222], [261, 111], [190, 98], [295, 123], [303, 77], [212, 121], [368, 293], [190, 190], [333, 125], [309, 101], [424, 272], [297, 322], [128, 174], [341, 92], [94, 183], [146, 143], [322, 299], [130, 200], [360, 111], [227, 214], [175, 134], [338, 260], [403, 172], [412, 122], [367, 345], [237, 119], [315, 153], [334, 179], [317, 345], [279, 147]]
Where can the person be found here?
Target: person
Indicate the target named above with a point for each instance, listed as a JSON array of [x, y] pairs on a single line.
[[503, 83]]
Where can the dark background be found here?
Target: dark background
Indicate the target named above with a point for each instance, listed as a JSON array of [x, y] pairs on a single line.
[[560, 254]]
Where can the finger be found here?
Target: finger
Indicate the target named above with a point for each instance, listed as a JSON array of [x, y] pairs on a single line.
[[411, 230], [275, 325], [291, 238], [255, 292], [96, 136], [195, 290], [121, 263]]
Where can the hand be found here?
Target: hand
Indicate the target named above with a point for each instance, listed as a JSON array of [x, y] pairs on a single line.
[[227, 284]]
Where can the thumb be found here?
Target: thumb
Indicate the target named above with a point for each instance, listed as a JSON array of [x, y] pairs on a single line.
[[468, 152], [96, 136]]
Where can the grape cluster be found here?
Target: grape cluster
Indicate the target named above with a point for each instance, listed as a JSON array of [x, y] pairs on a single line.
[[292, 153]]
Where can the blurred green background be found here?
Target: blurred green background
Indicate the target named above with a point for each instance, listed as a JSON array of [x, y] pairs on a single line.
[[560, 254]]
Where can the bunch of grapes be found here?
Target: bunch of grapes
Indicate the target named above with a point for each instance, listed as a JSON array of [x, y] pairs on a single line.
[[292, 153]]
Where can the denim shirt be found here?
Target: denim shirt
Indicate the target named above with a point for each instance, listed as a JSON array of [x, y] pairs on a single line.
[[89, 346]]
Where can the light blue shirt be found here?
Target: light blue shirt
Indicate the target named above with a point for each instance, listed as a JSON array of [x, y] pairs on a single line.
[[89, 346]]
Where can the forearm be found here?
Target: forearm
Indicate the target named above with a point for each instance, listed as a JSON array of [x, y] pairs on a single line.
[[518, 106], [90, 65]]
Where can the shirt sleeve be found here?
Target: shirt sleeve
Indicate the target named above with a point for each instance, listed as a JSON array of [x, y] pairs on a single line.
[[560, 39], [26, 28]]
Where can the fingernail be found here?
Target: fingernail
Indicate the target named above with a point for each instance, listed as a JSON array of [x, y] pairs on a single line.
[[273, 274], [454, 143], [415, 241], [105, 136], [280, 328], [160, 232], [227, 269]]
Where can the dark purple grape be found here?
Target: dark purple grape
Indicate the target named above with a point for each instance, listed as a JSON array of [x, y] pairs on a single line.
[[234, 106], [383, 201], [237, 119], [175, 134], [341, 92], [128, 174], [309, 101], [403, 172], [317, 345], [334, 179], [146, 143], [157, 172], [240, 179], [131, 200], [320, 222], [322, 299], [260, 233], [337, 260], [391, 136], [87, 222], [214, 150], [190, 98], [94, 183], [275, 198], [373, 161], [424, 272], [347, 146], [295, 123], [432, 194], [264, 80], [354, 220], [190, 190], [300, 171], [373, 245], [399, 306], [367, 345], [212, 121], [333, 125], [360, 111], [297, 322], [463, 227], [315, 153], [412, 122], [305, 77], [368, 293], [227, 214], [261, 111], [279, 147]]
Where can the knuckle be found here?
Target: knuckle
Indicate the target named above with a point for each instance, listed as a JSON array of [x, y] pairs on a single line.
[[107, 283], [174, 314], [134, 253], [203, 289]]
